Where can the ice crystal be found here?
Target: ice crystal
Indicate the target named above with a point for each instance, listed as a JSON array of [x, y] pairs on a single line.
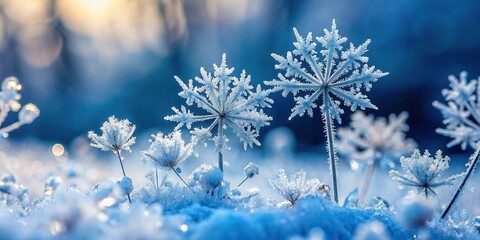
[[295, 186], [116, 135], [9, 98], [462, 114], [229, 102], [372, 140], [422, 172], [338, 78], [167, 151], [340, 74]]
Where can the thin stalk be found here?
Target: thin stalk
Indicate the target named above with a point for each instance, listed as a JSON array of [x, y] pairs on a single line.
[[10, 127], [156, 177], [220, 137], [462, 185], [220, 161], [331, 151], [175, 171], [426, 192], [245, 179], [367, 179], [123, 171]]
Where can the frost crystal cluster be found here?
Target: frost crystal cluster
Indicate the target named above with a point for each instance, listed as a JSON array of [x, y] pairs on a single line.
[[167, 151], [9, 98], [117, 135], [337, 78], [229, 102], [371, 140], [295, 186], [462, 114], [422, 172]]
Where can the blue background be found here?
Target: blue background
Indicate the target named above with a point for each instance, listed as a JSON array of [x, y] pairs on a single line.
[[82, 62]]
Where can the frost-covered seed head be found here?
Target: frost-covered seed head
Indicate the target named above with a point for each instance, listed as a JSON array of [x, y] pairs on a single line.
[[295, 186], [422, 172], [461, 115], [341, 74], [116, 135], [251, 170], [229, 102], [379, 139], [28, 113], [167, 151], [9, 95]]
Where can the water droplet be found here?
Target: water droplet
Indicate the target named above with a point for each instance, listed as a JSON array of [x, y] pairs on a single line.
[[354, 165], [106, 202], [58, 150], [56, 228], [184, 227]]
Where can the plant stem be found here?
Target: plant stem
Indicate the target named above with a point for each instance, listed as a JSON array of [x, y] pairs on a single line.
[[367, 178], [245, 179], [182, 180], [462, 185], [331, 150], [156, 176], [220, 161], [123, 170]]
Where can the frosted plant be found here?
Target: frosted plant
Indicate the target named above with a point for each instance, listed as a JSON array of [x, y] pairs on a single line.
[[336, 79], [462, 114], [117, 135], [229, 102], [251, 170], [422, 172], [9, 98], [295, 186], [471, 165], [167, 151], [374, 142]]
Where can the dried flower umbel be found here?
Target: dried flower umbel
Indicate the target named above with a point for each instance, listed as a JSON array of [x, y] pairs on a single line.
[[9, 98], [423, 172], [335, 80], [374, 142], [167, 151], [230, 102], [117, 136]]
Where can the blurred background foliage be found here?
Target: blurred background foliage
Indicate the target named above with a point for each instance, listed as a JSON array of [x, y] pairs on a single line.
[[81, 61]]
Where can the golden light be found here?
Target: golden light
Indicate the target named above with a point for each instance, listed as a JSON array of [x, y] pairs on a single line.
[[58, 150]]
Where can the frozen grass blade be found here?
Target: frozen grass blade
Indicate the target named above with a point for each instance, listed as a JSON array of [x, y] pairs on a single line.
[[471, 168]]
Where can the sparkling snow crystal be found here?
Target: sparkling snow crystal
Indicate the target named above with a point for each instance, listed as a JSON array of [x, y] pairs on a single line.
[[462, 115], [422, 172], [229, 102]]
